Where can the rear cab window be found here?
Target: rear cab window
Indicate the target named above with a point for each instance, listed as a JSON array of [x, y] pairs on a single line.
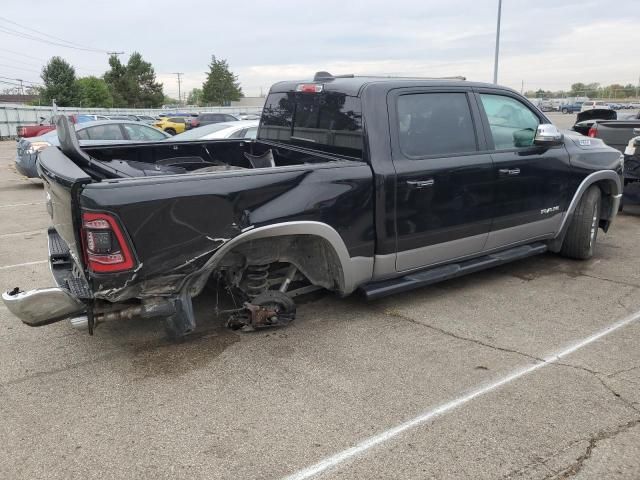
[[326, 121]]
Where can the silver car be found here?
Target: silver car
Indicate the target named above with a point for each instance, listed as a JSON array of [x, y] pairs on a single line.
[[89, 133]]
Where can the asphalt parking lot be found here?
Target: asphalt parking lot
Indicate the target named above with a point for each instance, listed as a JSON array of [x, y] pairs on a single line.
[[528, 371]]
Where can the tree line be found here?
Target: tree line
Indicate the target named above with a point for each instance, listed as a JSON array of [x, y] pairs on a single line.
[[132, 84], [591, 90]]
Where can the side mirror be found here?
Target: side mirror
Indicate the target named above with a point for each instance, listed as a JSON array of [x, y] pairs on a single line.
[[547, 135]]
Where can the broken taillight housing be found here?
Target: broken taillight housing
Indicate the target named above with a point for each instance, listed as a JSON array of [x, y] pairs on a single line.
[[106, 249]]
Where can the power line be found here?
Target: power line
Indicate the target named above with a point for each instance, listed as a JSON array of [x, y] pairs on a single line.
[[27, 36], [25, 81], [20, 54], [18, 68], [71, 44]]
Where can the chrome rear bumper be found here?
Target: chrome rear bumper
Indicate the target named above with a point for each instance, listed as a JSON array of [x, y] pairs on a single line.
[[48, 305], [43, 305]]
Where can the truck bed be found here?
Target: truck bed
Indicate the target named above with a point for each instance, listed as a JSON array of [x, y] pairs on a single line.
[[178, 203]]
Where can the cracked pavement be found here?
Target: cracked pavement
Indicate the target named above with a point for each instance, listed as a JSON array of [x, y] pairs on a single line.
[[128, 404]]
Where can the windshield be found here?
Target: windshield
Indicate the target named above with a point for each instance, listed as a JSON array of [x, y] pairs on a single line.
[[328, 121], [200, 132]]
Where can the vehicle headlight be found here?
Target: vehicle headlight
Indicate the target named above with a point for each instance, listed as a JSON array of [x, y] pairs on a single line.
[[35, 147]]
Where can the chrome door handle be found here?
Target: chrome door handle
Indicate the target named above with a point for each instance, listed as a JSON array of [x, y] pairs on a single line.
[[509, 171], [420, 183]]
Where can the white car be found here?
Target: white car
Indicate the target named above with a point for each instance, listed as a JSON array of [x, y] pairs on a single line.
[[591, 104], [240, 129]]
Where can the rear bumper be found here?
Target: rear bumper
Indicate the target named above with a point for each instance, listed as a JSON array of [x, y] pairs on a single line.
[[43, 306]]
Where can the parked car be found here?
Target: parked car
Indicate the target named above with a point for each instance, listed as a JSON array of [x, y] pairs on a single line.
[[122, 117], [209, 118], [591, 104], [96, 132], [449, 177], [585, 120], [248, 116], [46, 124], [239, 129], [571, 107], [172, 125], [148, 119], [613, 129]]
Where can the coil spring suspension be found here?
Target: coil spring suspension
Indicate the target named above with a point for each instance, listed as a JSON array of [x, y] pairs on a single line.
[[257, 280]]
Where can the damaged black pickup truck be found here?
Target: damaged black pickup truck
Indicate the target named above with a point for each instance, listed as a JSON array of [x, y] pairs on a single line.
[[353, 183]]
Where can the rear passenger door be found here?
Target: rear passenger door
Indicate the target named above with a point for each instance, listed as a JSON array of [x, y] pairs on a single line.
[[530, 181], [444, 180]]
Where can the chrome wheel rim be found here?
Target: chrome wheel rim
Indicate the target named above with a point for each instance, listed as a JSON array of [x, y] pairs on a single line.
[[594, 226]]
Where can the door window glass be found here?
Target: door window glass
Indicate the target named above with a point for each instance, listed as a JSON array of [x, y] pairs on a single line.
[[140, 132], [512, 124], [105, 132], [435, 124]]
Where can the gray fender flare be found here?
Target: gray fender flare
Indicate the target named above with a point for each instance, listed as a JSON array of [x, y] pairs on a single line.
[[613, 179], [355, 270]]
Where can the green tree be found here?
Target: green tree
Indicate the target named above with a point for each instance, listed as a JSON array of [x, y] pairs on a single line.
[[59, 80], [221, 86], [144, 91], [195, 97], [116, 82], [167, 100], [93, 92], [133, 84]]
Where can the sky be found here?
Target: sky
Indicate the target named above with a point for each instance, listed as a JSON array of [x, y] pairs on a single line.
[[546, 44]]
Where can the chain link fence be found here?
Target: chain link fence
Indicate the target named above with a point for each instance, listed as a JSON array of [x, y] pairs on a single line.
[[13, 116]]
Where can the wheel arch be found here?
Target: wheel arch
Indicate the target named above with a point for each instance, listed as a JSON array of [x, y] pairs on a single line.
[[610, 185], [301, 238]]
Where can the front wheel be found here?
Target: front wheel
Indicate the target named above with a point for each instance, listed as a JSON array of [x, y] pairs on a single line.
[[564, 110], [582, 234], [170, 131]]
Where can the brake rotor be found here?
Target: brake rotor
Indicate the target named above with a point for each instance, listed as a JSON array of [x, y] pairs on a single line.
[[269, 309]]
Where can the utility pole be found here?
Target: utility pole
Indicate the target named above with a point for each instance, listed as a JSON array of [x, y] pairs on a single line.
[[179, 85], [21, 89], [522, 88], [495, 62]]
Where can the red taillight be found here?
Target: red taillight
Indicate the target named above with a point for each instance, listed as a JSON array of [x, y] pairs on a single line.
[[309, 88], [105, 247], [593, 131], [195, 123]]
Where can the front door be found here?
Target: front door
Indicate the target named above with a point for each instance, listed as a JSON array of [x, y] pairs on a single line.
[[531, 182], [443, 181]]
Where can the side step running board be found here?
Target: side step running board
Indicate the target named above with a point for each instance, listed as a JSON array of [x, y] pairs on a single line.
[[422, 278]]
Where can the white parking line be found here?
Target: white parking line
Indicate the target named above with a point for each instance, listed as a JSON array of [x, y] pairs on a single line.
[[340, 457], [6, 267]]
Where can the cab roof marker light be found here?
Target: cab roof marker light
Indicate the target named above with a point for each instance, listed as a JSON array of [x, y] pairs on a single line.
[[309, 87]]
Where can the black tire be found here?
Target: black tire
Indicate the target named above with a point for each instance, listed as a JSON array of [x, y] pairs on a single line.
[[564, 110], [170, 131], [580, 241]]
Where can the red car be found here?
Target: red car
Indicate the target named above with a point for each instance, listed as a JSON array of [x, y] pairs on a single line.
[[47, 125]]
